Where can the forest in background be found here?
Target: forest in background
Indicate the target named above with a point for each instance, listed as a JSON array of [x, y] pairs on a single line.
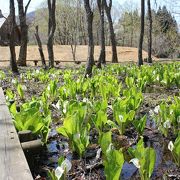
[[71, 27]]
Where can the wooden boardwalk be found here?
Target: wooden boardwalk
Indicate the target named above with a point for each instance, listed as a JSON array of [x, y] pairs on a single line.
[[13, 164]]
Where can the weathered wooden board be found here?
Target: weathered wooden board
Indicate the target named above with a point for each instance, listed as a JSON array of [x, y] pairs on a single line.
[[13, 164], [2, 98]]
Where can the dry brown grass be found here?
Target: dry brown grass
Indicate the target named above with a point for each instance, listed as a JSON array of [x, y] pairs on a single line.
[[125, 54]]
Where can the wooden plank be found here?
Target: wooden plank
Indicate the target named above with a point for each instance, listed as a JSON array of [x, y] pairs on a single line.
[[13, 164], [2, 98]]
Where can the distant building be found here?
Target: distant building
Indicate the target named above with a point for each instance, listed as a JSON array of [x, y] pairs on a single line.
[[5, 32]]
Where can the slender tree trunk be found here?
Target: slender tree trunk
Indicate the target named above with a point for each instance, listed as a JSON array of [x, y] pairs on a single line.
[[24, 32], [140, 57], [40, 47], [124, 31], [149, 32], [89, 19], [51, 30], [132, 34], [106, 34], [111, 28], [132, 30], [102, 57], [73, 50], [12, 38], [74, 38]]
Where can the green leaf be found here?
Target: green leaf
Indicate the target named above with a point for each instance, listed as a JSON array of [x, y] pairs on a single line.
[[60, 160], [75, 128], [30, 118], [100, 120], [176, 151], [140, 124], [62, 130], [20, 91], [113, 164], [13, 109], [105, 140], [131, 115], [150, 158], [146, 157], [112, 124]]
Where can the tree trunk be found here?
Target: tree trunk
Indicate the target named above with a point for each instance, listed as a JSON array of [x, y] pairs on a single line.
[[12, 38], [40, 47], [111, 28], [73, 50], [132, 29], [74, 34], [140, 57], [102, 57], [89, 19], [51, 31], [124, 31], [149, 60], [24, 32]]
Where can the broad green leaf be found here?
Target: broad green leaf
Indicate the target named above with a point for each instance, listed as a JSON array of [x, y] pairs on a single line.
[[140, 124], [105, 140], [113, 164]]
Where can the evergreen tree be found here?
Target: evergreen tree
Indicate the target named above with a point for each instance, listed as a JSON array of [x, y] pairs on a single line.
[[166, 20]]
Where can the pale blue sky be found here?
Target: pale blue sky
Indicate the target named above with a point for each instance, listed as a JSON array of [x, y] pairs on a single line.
[[4, 5]]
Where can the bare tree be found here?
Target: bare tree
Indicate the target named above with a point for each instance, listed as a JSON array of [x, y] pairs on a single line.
[[108, 8], [24, 32], [140, 58], [149, 32], [89, 19], [40, 47], [75, 28], [102, 57], [12, 37], [51, 30]]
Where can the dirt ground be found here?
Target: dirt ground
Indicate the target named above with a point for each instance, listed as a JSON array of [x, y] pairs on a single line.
[[63, 53]]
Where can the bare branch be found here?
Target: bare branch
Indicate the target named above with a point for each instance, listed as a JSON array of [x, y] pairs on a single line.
[[26, 7]]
